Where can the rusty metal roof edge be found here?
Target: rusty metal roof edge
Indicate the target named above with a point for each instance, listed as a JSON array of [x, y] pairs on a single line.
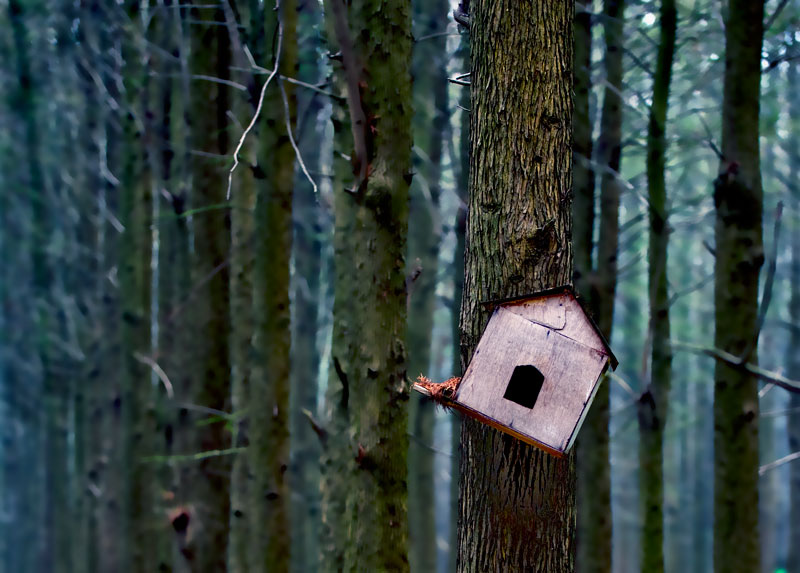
[[569, 289]]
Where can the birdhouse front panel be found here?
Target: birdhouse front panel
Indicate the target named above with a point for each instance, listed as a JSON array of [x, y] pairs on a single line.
[[527, 376]]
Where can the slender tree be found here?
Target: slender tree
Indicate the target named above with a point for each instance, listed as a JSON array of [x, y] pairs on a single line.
[[598, 282], [430, 120], [517, 502], [793, 369], [739, 256], [203, 519], [268, 425], [653, 403]]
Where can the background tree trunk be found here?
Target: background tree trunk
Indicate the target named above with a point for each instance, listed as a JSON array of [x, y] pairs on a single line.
[[793, 358], [517, 503], [425, 229], [739, 256], [599, 286], [207, 484], [653, 403]]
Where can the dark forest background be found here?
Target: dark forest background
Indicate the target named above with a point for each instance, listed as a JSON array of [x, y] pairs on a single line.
[[188, 282]]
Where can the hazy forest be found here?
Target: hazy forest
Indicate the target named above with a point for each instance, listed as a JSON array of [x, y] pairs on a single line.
[[235, 233]]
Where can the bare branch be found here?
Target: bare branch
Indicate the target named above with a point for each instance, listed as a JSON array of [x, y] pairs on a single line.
[[158, 372], [778, 463], [272, 74], [291, 137]]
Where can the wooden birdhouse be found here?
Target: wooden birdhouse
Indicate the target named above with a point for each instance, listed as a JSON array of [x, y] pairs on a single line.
[[535, 371]]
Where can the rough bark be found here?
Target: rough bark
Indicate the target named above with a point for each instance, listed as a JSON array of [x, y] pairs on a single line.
[[370, 309], [430, 119], [594, 473], [739, 257], [205, 488], [793, 358], [653, 403], [517, 502]]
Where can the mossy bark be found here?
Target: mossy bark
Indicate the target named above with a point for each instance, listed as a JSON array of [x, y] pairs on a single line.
[[370, 309], [517, 502], [653, 403], [738, 198]]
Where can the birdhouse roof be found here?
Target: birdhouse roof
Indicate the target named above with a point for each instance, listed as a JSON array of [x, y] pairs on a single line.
[[567, 290]]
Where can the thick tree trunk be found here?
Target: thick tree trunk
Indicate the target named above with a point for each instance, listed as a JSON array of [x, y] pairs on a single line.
[[793, 358], [370, 310], [739, 256], [653, 403], [430, 119], [517, 502], [594, 473]]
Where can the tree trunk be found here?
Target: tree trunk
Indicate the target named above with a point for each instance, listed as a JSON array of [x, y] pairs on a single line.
[[739, 256], [517, 502], [460, 228], [203, 522], [268, 423], [594, 473], [653, 403], [430, 119], [308, 229], [138, 417], [793, 358], [370, 309]]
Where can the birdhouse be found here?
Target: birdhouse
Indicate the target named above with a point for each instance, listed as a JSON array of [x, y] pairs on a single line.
[[536, 370]]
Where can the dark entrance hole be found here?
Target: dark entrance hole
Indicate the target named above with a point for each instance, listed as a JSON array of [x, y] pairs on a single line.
[[525, 385]]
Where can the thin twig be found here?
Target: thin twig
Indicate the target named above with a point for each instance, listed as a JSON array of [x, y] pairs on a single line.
[[778, 9], [222, 81], [260, 101], [291, 136], [158, 371], [733, 360], [778, 463]]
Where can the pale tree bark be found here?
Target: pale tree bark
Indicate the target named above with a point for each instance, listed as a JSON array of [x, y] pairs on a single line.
[[460, 228], [430, 120], [599, 286], [653, 403], [793, 358], [738, 199], [517, 502], [369, 359]]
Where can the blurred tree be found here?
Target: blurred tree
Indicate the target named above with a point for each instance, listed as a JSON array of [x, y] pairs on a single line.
[[793, 356], [429, 68], [653, 403], [517, 502], [739, 256], [598, 283], [368, 351], [203, 520]]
